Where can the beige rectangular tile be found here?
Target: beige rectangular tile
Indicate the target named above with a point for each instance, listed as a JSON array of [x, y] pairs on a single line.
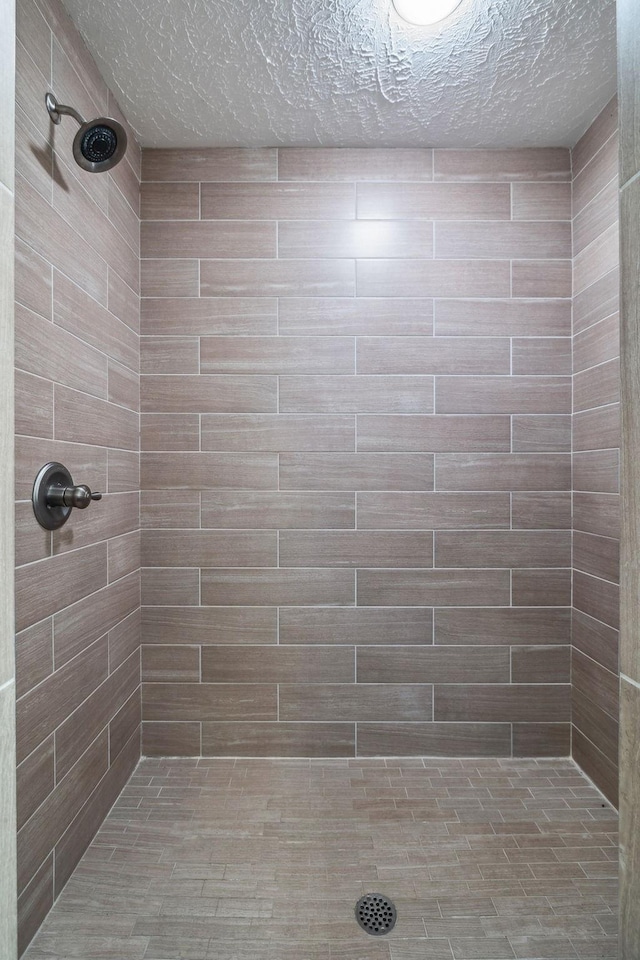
[[208, 701], [355, 317], [34, 656], [503, 395], [344, 163], [280, 739], [82, 623], [598, 259], [276, 664], [597, 344], [356, 471], [159, 509], [278, 201], [603, 127], [434, 201], [194, 317], [542, 356], [277, 433], [33, 401], [279, 355], [359, 701], [503, 548], [544, 587], [517, 471], [47, 705], [355, 548], [35, 903], [595, 174], [37, 838], [597, 555], [123, 302], [33, 280], [430, 278], [597, 598], [597, 429], [511, 240], [208, 548], [433, 664], [541, 434], [169, 278], [35, 780], [78, 573], [594, 763], [369, 625], [503, 626], [433, 587], [212, 239], [596, 217], [43, 228], [541, 201], [277, 278], [597, 301], [540, 511], [434, 740], [388, 433], [542, 740], [209, 164], [46, 351], [123, 386], [161, 585], [360, 394], [546, 163], [209, 471], [123, 471], [174, 664], [541, 278], [103, 423], [271, 510], [208, 394], [540, 665], [495, 703], [597, 513], [503, 318], [171, 738], [595, 639], [280, 587], [170, 201], [172, 355], [170, 431], [354, 238], [204, 625], [433, 511], [597, 386], [433, 355]]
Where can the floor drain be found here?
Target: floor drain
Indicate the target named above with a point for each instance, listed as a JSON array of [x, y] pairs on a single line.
[[376, 914]]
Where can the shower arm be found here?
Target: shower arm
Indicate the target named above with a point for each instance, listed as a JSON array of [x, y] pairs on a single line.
[[57, 110]]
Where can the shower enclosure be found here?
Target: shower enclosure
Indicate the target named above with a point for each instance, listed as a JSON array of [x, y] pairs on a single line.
[[354, 415]]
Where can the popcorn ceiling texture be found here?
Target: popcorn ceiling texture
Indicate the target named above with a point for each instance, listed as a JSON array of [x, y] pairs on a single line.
[[499, 73]]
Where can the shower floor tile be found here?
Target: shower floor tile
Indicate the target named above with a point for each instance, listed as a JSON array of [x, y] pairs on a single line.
[[265, 860]]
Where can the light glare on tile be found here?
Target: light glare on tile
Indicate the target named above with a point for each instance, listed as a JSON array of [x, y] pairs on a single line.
[[425, 12]]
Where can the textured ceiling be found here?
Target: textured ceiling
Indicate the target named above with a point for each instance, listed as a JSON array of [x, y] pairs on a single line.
[[351, 73]]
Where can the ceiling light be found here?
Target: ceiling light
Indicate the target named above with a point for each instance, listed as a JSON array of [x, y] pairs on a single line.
[[425, 12]]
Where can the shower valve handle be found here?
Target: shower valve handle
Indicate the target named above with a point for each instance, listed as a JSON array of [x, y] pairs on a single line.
[[80, 496], [55, 495]]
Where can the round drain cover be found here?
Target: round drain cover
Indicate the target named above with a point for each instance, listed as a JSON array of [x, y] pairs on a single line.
[[376, 914]]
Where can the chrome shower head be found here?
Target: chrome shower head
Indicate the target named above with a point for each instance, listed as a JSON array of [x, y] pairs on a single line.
[[99, 144]]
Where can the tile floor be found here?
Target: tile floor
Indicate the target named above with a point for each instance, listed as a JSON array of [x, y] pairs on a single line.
[[265, 859]]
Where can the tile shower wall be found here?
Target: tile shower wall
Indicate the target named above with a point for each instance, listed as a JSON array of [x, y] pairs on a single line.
[[77, 399], [596, 441], [356, 399]]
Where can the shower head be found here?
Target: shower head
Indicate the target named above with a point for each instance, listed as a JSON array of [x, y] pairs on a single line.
[[99, 144]]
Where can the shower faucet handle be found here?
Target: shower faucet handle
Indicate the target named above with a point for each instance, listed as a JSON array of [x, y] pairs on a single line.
[[55, 495], [80, 496]]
